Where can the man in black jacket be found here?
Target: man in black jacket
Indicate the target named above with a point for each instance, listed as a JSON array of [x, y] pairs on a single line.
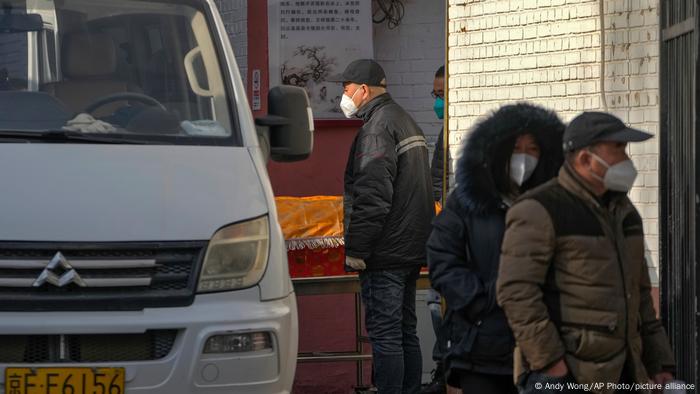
[[434, 301], [438, 164], [388, 205]]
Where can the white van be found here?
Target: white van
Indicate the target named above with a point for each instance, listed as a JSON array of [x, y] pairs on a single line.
[[139, 247]]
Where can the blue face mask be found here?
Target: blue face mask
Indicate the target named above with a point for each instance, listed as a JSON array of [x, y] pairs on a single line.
[[439, 108]]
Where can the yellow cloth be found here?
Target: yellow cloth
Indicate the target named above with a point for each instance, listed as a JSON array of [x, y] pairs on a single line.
[[313, 222]]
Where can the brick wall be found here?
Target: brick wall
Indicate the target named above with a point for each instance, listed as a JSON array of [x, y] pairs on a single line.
[[235, 16], [547, 52], [410, 55]]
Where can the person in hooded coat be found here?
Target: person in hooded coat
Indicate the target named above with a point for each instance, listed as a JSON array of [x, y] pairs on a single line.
[[516, 148]]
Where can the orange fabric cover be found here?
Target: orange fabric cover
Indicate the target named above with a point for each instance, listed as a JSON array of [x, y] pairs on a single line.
[[313, 222]]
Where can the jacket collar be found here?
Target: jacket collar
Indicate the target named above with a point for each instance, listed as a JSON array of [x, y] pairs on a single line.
[[366, 112], [573, 182]]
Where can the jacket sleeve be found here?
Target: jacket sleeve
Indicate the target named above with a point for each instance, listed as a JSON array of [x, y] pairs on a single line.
[[656, 350], [449, 266], [526, 255], [374, 171], [436, 166], [347, 189]]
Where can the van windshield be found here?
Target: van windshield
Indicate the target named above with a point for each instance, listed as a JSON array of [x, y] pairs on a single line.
[[148, 70]]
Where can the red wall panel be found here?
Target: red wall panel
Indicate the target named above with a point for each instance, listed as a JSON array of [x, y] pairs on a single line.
[[326, 323]]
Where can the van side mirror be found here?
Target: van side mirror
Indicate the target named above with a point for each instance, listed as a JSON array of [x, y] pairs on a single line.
[[290, 123]]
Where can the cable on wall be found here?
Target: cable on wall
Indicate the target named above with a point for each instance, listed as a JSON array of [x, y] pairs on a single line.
[[603, 100], [389, 11]]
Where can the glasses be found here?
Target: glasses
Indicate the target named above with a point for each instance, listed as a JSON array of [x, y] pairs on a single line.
[[435, 94]]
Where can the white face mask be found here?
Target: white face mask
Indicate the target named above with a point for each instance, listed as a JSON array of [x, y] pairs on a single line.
[[619, 177], [348, 106], [522, 166]]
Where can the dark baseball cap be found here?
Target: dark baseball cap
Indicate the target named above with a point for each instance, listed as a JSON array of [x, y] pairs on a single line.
[[592, 127], [362, 71]]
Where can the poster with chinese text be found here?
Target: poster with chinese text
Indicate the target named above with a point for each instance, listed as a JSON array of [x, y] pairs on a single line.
[[313, 40]]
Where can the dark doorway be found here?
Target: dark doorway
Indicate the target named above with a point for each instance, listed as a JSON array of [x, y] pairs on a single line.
[[679, 180]]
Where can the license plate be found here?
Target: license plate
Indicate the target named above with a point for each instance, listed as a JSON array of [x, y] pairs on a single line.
[[64, 381]]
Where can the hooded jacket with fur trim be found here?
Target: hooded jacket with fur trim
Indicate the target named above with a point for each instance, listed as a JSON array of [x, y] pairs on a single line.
[[464, 247]]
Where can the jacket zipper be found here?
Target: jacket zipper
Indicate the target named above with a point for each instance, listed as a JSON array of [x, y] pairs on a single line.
[[592, 327], [611, 223]]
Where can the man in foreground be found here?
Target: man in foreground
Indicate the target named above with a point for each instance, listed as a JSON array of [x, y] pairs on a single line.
[[573, 281]]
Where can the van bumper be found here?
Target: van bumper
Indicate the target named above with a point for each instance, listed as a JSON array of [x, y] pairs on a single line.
[[186, 369]]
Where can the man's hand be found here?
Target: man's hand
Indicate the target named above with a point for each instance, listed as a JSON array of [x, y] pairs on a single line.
[[355, 263], [662, 378], [558, 370]]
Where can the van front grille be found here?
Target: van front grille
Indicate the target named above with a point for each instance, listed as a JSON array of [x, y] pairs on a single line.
[[111, 276], [151, 345]]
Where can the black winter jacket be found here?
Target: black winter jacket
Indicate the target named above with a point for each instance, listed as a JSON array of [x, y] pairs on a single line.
[[388, 197], [437, 166], [465, 244]]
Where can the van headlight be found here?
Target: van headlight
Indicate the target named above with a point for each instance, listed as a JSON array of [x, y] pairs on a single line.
[[236, 257]]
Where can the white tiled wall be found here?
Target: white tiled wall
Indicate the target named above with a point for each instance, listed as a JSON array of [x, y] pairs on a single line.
[[548, 52], [410, 55]]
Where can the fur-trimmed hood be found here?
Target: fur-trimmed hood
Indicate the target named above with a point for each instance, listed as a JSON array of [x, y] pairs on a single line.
[[490, 145]]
